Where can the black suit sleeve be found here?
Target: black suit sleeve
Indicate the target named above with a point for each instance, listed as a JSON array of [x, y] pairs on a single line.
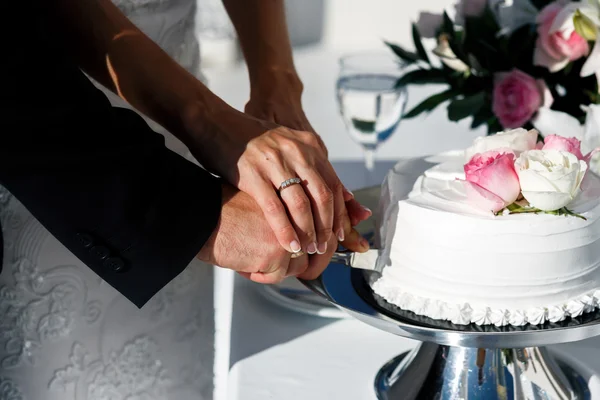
[[97, 177]]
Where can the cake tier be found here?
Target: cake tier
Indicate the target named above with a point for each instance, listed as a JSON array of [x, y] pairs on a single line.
[[445, 260]]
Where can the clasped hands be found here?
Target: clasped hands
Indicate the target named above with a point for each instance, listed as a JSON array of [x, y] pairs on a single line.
[[261, 227]]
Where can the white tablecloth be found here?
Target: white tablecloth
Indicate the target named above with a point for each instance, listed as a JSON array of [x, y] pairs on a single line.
[[267, 352]]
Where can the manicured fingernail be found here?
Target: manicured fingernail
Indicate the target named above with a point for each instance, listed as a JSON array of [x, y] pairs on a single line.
[[311, 248], [340, 235], [367, 209], [349, 192], [322, 248], [295, 246], [364, 243]]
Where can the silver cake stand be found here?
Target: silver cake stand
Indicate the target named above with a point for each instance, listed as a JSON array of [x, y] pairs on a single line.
[[460, 362]]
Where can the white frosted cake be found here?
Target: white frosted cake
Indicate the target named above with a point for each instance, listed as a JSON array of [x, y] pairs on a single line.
[[449, 258]]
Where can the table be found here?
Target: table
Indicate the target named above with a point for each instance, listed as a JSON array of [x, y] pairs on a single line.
[[267, 352]]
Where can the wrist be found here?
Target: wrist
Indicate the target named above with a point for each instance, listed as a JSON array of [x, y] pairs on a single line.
[[272, 82]]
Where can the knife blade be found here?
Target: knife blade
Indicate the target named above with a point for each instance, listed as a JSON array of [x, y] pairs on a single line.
[[366, 261]]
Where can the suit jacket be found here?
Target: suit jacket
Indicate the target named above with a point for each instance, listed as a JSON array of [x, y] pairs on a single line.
[[97, 177]]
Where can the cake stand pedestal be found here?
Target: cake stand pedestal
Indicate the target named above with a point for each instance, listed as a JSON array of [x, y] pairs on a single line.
[[461, 362]]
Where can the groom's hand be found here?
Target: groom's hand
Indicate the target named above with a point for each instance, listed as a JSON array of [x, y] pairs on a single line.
[[244, 242]]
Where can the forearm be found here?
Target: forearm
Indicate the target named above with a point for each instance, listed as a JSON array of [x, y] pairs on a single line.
[[263, 35], [116, 53]]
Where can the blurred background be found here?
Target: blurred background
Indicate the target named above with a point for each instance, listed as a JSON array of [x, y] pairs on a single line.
[[321, 32]]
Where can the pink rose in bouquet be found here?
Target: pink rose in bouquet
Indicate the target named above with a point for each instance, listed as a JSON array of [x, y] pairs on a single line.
[[570, 145], [492, 182], [554, 50], [517, 96]]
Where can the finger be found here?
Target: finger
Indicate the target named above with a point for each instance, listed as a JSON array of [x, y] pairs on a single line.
[[341, 221], [300, 212], [357, 212], [276, 272], [348, 195], [298, 265], [245, 275], [318, 262], [355, 242], [321, 198], [276, 215]]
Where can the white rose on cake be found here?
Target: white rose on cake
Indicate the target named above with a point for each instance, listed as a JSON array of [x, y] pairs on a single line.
[[518, 140], [550, 179]]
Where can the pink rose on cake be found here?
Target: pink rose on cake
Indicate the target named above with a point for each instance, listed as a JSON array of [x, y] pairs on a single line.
[[550, 179], [571, 145], [492, 183], [517, 140]]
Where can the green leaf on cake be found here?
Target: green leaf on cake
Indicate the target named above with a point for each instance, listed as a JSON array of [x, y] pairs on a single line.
[[430, 103], [418, 44], [423, 77], [460, 109], [518, 209], [407, 56]]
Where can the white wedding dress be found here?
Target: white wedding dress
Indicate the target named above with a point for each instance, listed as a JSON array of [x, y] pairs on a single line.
[[67, 335]]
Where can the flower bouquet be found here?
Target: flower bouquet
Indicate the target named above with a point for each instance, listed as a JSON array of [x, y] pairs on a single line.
[[512, 63]]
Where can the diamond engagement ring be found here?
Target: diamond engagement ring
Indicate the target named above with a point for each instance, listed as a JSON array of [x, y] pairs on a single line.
[[289, 182]]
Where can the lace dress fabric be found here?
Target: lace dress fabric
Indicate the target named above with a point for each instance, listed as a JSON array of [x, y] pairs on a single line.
[[67, 335]]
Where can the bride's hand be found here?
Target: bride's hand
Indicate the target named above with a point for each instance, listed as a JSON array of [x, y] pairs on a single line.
[[280, 103], [257, 156]]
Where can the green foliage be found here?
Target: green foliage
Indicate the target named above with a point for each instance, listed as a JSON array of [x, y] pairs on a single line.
[[430, 103], [419, 44], [405, 55], [459, 109]]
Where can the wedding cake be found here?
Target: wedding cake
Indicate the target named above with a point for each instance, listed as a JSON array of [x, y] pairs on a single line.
[[504, 233]]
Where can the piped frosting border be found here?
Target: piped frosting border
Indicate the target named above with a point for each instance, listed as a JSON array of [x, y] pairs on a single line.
[[465, 314]]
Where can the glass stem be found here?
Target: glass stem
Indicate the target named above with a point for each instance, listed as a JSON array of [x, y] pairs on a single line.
[[370, 159]]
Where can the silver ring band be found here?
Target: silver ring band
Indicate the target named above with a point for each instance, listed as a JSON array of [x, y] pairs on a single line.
[[298, 254], [289, 182]]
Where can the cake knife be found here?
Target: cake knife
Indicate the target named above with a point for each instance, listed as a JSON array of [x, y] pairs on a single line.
[[367, 261]]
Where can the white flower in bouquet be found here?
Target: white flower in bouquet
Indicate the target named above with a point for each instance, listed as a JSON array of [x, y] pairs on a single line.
[[582, 17], [550, 179], [517, 140], [447, 56]]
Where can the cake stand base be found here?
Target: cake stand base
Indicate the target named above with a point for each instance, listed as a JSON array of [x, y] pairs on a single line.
[[436, 372]]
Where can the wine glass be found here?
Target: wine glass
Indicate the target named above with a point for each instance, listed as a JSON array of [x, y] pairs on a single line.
[[370, 102]]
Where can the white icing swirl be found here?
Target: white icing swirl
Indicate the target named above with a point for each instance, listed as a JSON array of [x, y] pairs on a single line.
[[596, 296], [537, 315], [575, 307], [499, 317], [588, 303], [482, 316], [460, 314], [434, 309], [556, 313], [517, 318]]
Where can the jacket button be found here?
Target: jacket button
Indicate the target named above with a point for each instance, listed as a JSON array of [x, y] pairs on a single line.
[[85, 240], [114, 263], [100, 252]]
